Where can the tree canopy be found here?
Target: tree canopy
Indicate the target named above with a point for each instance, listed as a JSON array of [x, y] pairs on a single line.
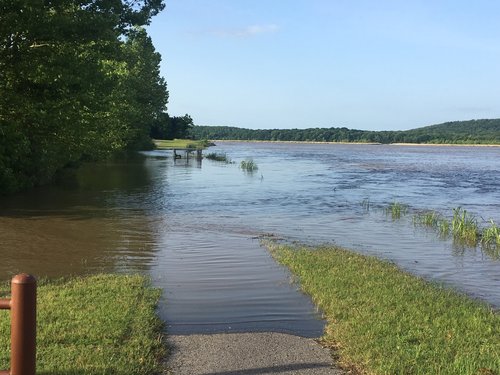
[[167, 127], [78, 81]]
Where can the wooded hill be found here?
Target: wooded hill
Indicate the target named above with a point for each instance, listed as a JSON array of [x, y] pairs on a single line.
[[485, 131]]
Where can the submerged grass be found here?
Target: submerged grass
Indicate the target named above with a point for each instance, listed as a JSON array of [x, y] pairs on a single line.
[[434, 220], [428, 219], [382, 320], [464, 227], [366, 204], [222, 157], [104, 324], [491, 234], [249, 165], [396, 210]]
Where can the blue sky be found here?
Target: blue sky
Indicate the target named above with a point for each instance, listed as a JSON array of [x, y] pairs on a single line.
[[372, 65]]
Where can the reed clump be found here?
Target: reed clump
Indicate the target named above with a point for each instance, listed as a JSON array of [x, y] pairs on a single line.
[[464, 227], [434, 220], [249, 165], [222, 157], [396, 210], [490, 236]]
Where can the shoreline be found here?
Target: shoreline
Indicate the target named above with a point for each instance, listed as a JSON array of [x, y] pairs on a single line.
[[362, 143]]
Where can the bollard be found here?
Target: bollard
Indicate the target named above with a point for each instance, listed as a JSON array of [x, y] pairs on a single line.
[[22, 305]]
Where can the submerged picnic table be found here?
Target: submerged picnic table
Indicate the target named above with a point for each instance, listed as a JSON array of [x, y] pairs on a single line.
[[188, 151]]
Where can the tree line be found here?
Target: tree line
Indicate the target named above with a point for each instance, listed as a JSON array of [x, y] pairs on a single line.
[[79, 80], [485, 131]]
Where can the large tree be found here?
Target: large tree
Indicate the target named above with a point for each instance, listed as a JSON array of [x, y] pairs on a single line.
[[65, 67]]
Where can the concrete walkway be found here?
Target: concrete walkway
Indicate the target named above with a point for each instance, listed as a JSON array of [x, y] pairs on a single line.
[[248, 354]]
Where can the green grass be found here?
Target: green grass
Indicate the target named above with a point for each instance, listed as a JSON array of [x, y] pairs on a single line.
[[464, 227], [491, 235], [434, 220], [249, 165], [179, 143], [104, 324], [428, 219], [396, 210], [382, 320]]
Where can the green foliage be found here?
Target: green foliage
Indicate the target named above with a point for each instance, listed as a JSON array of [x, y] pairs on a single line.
[[172, 127], [382, 320], [459, 132], [78, 81], [249, 165], [103, 324]]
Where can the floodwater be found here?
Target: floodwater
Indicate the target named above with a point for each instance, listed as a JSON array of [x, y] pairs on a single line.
[[195, 226]]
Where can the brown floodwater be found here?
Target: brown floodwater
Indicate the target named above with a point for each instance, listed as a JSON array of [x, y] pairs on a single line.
[[194, 227]]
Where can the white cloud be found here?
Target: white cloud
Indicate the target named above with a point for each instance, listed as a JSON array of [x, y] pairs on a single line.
[[247, 31]]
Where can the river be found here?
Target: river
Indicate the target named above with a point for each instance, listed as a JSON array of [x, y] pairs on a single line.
[[194, 226]]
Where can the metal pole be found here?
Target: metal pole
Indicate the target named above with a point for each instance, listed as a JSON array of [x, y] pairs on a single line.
[[23, 325]]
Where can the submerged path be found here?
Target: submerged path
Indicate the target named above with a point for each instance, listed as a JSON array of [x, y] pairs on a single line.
[[217, 282], [231, 309], [248, 354]]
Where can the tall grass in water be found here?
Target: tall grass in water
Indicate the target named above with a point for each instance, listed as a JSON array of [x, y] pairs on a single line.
[[366, 204], [490, 240], [249, 165], [384, 321], [464, 227], [491, 235], [396, 210], [428, 219], [222, 157], [433, 219]]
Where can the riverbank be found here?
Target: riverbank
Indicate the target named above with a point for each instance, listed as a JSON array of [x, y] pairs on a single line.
[[103, 324], [360, 143], [383, 320]]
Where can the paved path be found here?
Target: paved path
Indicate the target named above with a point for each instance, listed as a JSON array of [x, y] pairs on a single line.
[[248, 354]]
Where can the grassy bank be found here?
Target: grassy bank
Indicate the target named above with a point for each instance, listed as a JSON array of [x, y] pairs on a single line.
[[180, 143], [384, 321], [103, 324]]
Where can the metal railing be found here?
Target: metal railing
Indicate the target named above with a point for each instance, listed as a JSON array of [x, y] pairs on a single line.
[[22, 306]]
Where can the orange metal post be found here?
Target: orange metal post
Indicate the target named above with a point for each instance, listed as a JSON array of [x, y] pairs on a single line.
[[23, 325]]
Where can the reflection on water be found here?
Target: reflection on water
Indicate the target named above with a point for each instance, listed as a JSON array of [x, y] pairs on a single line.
[[93, 223], [192, 225]]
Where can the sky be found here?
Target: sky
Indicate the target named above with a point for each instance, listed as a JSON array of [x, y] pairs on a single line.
[[370, 65]]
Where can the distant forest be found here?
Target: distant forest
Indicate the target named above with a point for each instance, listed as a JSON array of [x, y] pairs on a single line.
[[457, 132]]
